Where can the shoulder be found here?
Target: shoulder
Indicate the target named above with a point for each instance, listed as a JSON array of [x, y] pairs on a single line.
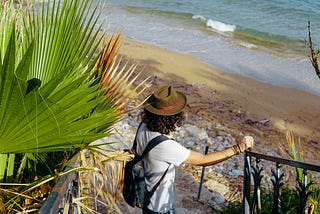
[[171, 144], [170, 151], [143, 137]]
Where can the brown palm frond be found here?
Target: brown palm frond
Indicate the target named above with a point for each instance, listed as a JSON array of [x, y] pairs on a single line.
[[103, 187], [108, 55], [117, 77]]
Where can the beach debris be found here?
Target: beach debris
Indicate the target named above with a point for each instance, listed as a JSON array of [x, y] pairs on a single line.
[[313, 142], [236, 172], [216, 186], [238, 115], [198, 105], [264, 122]]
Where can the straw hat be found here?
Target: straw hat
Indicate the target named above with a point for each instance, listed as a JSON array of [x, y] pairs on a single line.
[[166, 101]]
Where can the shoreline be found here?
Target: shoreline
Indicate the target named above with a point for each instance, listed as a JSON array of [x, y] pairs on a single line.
[[286, 108], [224, 52]]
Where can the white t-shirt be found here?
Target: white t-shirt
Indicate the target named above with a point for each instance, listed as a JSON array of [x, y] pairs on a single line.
[[166, 153]]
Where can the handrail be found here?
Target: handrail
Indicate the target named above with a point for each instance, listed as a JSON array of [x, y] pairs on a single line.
[[285, 161], [253, 205], [62, 193]]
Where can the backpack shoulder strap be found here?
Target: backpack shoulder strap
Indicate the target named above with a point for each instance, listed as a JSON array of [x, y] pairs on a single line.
[[155, 141], [134, 146]]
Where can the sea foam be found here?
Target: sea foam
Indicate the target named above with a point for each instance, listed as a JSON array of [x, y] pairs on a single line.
[[216, 25], [202, 18], [220, 26]]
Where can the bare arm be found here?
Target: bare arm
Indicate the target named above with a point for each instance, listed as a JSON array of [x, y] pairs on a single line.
[[199, 159]]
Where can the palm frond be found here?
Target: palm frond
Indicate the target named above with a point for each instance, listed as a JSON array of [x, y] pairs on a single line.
[[7, 25], [117, 76], [47, 101], [58, 90], [65, 33], [103, 195]]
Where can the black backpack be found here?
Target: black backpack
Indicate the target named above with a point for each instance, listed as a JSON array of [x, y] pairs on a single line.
[[134, 190]]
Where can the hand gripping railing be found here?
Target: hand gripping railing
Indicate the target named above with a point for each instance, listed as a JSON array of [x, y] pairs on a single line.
[[253, 205]]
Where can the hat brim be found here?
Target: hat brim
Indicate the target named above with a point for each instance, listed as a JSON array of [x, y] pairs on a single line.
[[182, 102]]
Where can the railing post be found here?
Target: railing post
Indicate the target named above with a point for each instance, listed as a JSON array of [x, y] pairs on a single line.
[[303, 189], [277, 184], [246, 184], [202, 175], [256, 174]]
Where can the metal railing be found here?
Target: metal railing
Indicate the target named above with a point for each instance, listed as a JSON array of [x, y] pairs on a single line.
[[252, 203], [61, 197]]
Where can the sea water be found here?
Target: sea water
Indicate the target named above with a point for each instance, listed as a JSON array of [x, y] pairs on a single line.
[[263, 40]]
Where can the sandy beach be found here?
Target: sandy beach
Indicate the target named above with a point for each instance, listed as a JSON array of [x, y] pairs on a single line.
[[243, 104]]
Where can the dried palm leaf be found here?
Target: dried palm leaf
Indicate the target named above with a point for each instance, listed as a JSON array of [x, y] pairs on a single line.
[[118, 77]]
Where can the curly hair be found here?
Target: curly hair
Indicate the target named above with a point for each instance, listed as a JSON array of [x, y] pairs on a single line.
[[162, 124]]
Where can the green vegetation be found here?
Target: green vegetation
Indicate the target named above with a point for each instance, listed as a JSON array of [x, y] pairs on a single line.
[[296, 153], [60, 89], [289, 203]]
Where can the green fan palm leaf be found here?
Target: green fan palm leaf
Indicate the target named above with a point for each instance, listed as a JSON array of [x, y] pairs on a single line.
[[7, 25], [48, 102], [66, 37], [61, 86]]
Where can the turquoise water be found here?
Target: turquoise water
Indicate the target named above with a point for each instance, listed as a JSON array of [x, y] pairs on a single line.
[[277, 22], [264, 40]]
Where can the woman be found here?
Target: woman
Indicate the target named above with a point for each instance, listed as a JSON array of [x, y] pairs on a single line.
[[163, 112]]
